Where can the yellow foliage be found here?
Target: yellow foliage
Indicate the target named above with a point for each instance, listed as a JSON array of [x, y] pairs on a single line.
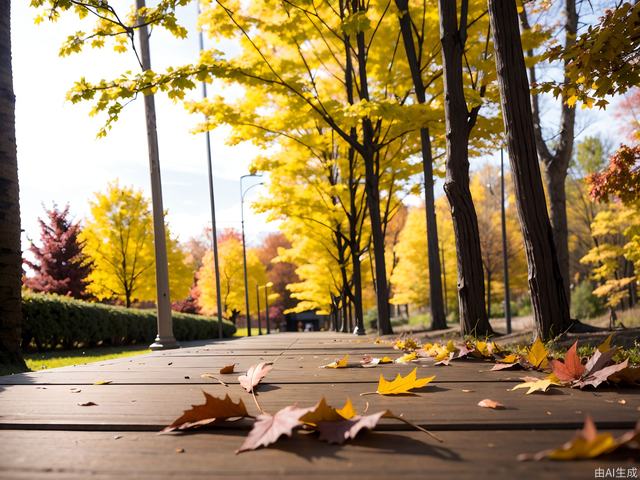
[[118, 237], [231, 278]]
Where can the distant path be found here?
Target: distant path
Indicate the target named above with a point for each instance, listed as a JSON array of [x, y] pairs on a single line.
[[45, 434]]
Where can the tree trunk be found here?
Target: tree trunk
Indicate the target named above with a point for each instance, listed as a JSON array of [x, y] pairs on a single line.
[[556, 162], [550, 303], [372, 188], [10, 253], [438, 317], [473, 316]]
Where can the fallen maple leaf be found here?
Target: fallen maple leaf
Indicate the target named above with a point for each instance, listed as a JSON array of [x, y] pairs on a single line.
[[407, 357], [338, 363], [102, 382], [269, 428], [87, 404], [254, 375], [213, 409], [537, 355], [587, 443], [597, 370], [536, 384], [407, 344], [606, 345], [342, 430], [368, 361], [488, 403], [628, 376], [228, 369], [595, 378], [322, 412], [401, 384], [571, 369]]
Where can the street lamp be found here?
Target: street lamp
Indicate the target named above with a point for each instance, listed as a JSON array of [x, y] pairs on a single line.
[[244, 247], [214, 230]]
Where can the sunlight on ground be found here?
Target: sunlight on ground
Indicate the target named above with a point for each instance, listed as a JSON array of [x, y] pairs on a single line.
[[242, 331], [65, 358]]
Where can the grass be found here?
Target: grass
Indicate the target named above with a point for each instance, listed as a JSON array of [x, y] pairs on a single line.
[[65, 358]]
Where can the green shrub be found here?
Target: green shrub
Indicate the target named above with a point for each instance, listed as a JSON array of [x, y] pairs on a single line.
[[584, 304], [50, 321]]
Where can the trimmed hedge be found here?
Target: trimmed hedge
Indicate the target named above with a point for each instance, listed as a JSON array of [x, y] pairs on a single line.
[[50, 321]]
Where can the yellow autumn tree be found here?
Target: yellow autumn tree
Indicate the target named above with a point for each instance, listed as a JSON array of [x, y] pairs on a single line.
[[231, 278], [118, 238]]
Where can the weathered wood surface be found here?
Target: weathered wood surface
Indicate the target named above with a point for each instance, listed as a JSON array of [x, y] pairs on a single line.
[[44, 433]]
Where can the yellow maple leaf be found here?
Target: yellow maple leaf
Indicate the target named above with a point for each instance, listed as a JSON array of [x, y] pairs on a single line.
[[407, 357], [347, 411], [402, 384], [537, 355], [536, 384], [588, 443], [511, 358], [386, 359], [606, 345], [341, 363], [408, 344], [324, 412]]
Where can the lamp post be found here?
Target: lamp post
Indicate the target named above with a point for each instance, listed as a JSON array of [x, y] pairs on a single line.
[[165, 338], [244, 247], [214, 230], [505, 262], [258, 308]]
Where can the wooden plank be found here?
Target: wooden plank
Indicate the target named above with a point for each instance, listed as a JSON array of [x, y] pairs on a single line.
[[288, 368], [374, 455], [442, 406]]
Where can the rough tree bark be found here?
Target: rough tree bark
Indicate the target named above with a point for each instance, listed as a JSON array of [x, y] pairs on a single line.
[[438, 318], [550, 303], [471, 294], [556, 159], [10, 253]]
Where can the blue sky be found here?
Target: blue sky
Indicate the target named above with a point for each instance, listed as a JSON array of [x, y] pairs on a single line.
[[61, 161]]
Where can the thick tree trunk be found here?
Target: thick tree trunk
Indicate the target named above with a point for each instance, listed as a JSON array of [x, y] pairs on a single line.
[[438, 317], [10, 253], [548, 297], [556, 161], [473, 316], [372, 188]]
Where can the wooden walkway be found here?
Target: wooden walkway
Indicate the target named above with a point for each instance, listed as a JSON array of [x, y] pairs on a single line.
[[44, 433]]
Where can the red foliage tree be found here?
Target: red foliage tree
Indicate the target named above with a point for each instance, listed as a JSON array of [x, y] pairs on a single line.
[[279, 273], [60, 266], [620, 179]]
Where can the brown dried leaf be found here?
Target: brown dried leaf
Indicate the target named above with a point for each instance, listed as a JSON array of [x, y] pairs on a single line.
[[228, 369], [488, 403], [213, 409], [87, 404], [254, 375], [343, 430]]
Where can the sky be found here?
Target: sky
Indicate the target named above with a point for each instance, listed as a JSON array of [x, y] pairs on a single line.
[[61, 161]]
